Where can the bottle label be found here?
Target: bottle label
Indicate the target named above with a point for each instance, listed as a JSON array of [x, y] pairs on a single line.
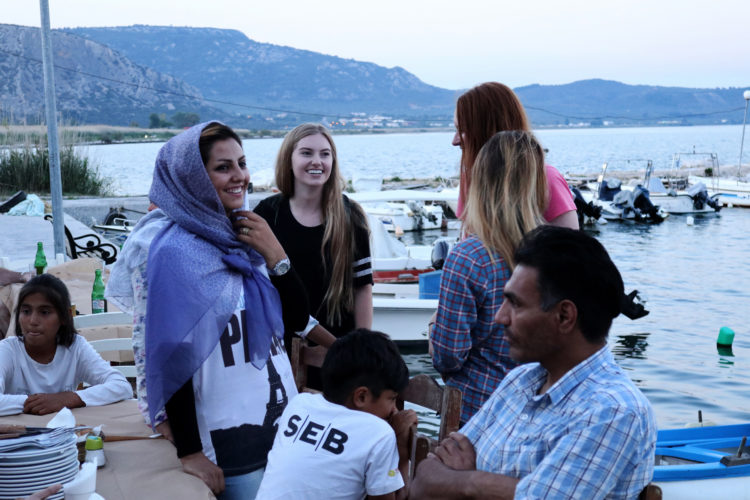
[[98, 306]]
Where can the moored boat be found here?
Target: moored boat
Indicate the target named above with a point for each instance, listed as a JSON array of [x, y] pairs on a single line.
[[406, 209], [618, 204], [703, 462], [694, 200]]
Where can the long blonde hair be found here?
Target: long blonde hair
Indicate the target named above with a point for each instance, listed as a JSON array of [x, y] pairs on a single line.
[[338, 238], [508, 194]]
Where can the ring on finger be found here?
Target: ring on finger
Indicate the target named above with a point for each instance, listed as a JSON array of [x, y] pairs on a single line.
[[245, 231]]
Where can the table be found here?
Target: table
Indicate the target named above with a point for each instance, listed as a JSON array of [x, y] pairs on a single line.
[[140, 469]]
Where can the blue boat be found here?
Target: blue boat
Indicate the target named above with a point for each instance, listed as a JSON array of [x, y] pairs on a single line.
[[703, 462]]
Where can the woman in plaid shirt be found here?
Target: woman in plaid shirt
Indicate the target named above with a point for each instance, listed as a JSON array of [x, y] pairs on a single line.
[[507, 198]]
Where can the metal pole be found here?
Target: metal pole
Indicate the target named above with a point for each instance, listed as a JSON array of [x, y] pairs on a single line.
[[746, 95], [55, 179]]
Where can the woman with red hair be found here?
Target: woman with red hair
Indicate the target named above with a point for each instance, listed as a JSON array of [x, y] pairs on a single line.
[[483, 111]]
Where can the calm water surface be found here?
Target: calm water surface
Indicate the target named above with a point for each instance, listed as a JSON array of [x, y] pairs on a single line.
[[695, 278], [429, 155]]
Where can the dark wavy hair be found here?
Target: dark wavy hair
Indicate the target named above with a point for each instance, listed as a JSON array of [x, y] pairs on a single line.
[[57, 293]]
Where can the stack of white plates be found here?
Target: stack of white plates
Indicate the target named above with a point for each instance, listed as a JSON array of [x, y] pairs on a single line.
[[30, 469]]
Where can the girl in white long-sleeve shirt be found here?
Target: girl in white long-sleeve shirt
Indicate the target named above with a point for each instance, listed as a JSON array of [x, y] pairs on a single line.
[[41, 367]]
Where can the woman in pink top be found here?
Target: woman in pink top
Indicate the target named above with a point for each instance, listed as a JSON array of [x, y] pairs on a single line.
[[483, 111], [492, 107]]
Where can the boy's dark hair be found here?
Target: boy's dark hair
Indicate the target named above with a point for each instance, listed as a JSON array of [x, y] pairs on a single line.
[[56, 292], [574, 266], [362, 358]]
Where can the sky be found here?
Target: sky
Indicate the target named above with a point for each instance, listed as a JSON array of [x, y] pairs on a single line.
[[460, 43]]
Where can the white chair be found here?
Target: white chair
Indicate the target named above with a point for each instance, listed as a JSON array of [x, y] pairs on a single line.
[[119, 344], [111, 335], [102, 319]]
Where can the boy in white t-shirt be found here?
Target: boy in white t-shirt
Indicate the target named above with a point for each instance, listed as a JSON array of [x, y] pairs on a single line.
[[349, 442]]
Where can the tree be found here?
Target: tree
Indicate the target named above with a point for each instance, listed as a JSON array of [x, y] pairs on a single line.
[[158, 121], [184, 120]]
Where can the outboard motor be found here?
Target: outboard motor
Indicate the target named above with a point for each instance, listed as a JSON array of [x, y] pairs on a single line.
[[585, 209], [609, 188], [440, 251], [699, 194], [624, 200], [642, 202]]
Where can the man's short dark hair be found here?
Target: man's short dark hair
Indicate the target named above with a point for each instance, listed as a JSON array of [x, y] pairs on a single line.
[[362, 358], [574, 266]]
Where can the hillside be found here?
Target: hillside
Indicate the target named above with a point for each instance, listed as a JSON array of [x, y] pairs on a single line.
[[122, 99], [107, 75], [228, 66], [630, 104]]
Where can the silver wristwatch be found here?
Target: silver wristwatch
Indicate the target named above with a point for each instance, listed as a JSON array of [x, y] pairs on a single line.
[[281, 267]]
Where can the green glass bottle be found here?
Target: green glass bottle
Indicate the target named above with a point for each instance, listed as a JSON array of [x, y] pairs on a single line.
[[40, 261], [98, 302]]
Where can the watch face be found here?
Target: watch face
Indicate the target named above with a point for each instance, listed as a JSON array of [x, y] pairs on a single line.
[[281, 267]]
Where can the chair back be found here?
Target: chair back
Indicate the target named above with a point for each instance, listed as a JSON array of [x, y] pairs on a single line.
[[304, 355], [650, 492], [119, 344], [424, 390], [111, 335], [102, 319]]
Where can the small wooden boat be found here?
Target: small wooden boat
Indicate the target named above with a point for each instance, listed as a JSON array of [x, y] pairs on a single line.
[[703, 462]]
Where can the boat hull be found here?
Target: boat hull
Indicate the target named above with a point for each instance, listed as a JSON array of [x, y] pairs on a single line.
[[404, 320], [688, 463]]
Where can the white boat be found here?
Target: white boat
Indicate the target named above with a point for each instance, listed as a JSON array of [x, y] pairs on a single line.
[[729, 192], [618, 203], [693, 201], [725, 191], [403, 319], [406, 209]]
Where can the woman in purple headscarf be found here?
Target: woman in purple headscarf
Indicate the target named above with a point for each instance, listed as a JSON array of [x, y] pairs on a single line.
[[215, 359]]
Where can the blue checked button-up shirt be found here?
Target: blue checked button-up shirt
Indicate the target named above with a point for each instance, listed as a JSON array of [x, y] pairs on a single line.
[[591, 435], [469, 348]]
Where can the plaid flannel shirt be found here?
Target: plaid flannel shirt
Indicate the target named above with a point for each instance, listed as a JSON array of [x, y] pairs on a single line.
[[591, 435], [469, 349]]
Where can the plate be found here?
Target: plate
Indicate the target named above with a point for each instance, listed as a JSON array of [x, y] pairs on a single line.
[[36, 455], [48, 475], [18, 469], [29, 488]]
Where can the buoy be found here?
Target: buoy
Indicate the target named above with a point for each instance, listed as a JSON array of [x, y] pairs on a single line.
[[398, 231], [690, 220], [726, 337]]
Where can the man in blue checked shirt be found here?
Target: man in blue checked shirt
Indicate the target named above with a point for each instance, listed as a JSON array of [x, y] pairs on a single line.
[[569, 423]]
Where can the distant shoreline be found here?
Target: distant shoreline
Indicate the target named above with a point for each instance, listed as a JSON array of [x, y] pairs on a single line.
[[88, 135]]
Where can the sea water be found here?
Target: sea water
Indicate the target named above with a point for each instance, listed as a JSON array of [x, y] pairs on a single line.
[[430, 154], [694, 278]]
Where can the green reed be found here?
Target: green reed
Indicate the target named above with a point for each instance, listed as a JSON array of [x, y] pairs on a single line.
[[24, 165]]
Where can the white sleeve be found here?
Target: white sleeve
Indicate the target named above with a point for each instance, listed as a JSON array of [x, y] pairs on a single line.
[[107, 384], [311, 323], [10, 404], [381, 472]]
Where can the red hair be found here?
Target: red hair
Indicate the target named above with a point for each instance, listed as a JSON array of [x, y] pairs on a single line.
[[481, 112]]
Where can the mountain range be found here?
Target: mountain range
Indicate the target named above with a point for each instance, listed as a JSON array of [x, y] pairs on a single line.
[[124, 75]]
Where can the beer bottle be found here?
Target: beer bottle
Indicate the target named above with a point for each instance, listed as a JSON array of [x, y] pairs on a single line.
[[40, 261], [98, 302]]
